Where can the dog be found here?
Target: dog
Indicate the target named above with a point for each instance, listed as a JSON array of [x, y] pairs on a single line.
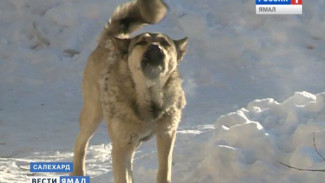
[[134, 84]]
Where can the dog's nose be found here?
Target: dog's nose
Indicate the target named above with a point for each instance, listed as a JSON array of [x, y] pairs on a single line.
[[154, 54]]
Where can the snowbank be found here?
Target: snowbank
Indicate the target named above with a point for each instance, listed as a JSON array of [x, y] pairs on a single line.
[[249, 144]]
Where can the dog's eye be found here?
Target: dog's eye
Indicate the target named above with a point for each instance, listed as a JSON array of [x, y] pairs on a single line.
[[164, 42], [143, 42]]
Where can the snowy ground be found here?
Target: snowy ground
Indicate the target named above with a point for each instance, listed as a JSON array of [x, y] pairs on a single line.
[[244, 77]]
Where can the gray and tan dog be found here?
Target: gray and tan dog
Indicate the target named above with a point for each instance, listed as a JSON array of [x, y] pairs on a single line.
[[134, 84]]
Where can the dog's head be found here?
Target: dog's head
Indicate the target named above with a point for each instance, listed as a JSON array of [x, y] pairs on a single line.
[[152, 55]]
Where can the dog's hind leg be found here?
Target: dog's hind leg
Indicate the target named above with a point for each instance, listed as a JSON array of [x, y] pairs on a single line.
[[90, 118], [165, 145]]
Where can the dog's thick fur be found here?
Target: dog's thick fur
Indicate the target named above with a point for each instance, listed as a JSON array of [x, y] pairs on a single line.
[[134, 84]]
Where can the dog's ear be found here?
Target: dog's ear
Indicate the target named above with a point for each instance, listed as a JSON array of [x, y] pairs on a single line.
[[122, 44], [181, 46]]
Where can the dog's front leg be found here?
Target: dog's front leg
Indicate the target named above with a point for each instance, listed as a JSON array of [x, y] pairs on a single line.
[[122, 163], [124, 143], [165, 145]]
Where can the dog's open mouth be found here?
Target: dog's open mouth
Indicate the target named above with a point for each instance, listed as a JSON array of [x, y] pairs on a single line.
[[152, 63]]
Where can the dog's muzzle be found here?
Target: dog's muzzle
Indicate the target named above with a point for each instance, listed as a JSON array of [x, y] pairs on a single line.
[[152, 63]]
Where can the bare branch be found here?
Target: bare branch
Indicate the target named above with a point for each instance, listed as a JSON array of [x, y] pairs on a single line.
[[302, 169], [315, 147], [305, 169]]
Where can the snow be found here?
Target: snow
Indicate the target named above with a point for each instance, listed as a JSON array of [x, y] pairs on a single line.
[[254, 83]]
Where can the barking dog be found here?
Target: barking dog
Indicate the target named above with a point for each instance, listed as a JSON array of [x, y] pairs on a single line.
[[134, 84]]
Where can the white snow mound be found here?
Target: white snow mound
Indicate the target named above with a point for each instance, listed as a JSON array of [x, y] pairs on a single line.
[[249, 144]]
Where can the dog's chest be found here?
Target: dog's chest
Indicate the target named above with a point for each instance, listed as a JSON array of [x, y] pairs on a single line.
[[150, 103], [120, 97]]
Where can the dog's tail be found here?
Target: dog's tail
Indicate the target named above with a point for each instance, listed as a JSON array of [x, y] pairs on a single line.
[[133, 15]]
